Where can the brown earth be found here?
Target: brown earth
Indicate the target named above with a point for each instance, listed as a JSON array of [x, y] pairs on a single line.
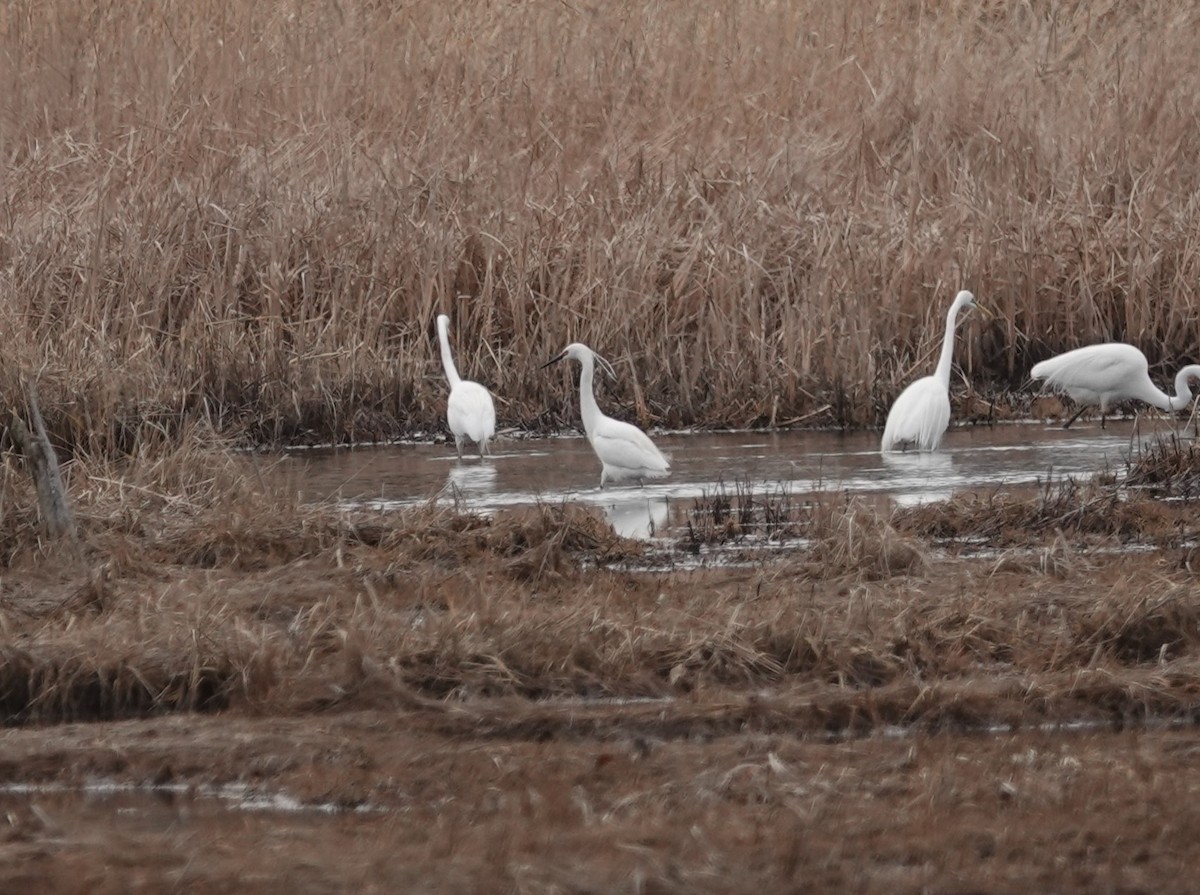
[[469, 705]]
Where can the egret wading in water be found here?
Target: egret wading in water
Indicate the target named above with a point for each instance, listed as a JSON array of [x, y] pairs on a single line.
[[919, 417], [625, 451], [1108, 374], [470, 412]]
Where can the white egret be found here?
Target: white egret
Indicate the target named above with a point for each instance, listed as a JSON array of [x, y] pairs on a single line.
[[919, 417], [469, 410], [625, 451], [1108, 374]]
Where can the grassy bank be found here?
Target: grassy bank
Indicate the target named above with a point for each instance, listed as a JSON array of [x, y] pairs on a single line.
[[250, 213], [456, 700], [202, 584]]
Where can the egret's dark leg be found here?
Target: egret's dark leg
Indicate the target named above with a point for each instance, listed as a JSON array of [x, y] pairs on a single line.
[[1079, 413]]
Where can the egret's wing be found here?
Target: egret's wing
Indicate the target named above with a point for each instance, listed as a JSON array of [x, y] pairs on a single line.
[[625, 446], [918, 417], [470, 411], [1096, 368]]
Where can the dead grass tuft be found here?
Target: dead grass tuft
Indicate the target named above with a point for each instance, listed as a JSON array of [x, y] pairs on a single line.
[[543, 540], [857, 538], [843, 534], [36, 689], [1150, 628], [1066, 506], [728, 517], [1167, 467]]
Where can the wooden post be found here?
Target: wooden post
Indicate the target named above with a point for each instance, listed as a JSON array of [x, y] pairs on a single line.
[[55, 509]]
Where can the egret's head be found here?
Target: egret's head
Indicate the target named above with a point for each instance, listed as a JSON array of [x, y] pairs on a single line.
[[580, 352], [442, 321], [574, 350], [966, 299]]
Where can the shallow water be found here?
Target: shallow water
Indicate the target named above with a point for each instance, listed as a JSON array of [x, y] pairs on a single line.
[[168, 798], [564, 469]]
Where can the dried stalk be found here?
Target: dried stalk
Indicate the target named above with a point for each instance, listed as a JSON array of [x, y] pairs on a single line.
[[53, 504]]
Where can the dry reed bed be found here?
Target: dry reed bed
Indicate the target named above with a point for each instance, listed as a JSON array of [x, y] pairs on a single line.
[[204, 586], [249, 213]]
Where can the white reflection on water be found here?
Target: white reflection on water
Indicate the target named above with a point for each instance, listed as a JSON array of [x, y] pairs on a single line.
[[238, 796], [641, 517], [471, 482], [920, 477]]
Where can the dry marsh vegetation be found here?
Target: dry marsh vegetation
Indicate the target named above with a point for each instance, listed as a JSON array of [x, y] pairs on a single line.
[[493, 692], [226, 223], [250, 213], [204, 584]]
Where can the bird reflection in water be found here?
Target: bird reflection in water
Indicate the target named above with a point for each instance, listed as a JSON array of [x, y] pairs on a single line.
[[915, 478], [467, 482], [639, 518]]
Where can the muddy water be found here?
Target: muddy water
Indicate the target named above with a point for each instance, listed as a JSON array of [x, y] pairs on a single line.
[[564, 469]]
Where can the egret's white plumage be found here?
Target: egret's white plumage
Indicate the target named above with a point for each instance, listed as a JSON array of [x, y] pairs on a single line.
[[919, 417], [625, 451], [1108, 374], [470, 412]]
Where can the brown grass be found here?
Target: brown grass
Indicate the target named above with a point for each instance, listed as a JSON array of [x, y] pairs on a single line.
[[836, 638], [1080, 509], [249, 214], [1168, 467], [204, 585], [503, 691]]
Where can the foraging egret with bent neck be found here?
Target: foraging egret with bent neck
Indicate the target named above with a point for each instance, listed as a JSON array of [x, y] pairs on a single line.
[[625, 451], [470, 412], [919, 417], [1109, 373]]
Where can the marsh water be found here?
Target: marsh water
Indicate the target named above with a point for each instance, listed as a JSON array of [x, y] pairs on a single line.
[[564, 469]]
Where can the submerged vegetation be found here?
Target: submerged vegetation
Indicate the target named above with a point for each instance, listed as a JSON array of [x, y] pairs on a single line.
[[1126, 507], [250, 214]]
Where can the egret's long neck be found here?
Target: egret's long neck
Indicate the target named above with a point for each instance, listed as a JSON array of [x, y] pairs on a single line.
[[447, 360], [942, 373], [1183, 391], [588, 408]]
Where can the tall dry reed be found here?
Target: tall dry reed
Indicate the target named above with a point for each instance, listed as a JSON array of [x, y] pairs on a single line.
[[251, 212]]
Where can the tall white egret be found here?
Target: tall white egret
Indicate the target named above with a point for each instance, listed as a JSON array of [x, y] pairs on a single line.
[[469, 410], [1108, 374], [625, 451], [919, 417]]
